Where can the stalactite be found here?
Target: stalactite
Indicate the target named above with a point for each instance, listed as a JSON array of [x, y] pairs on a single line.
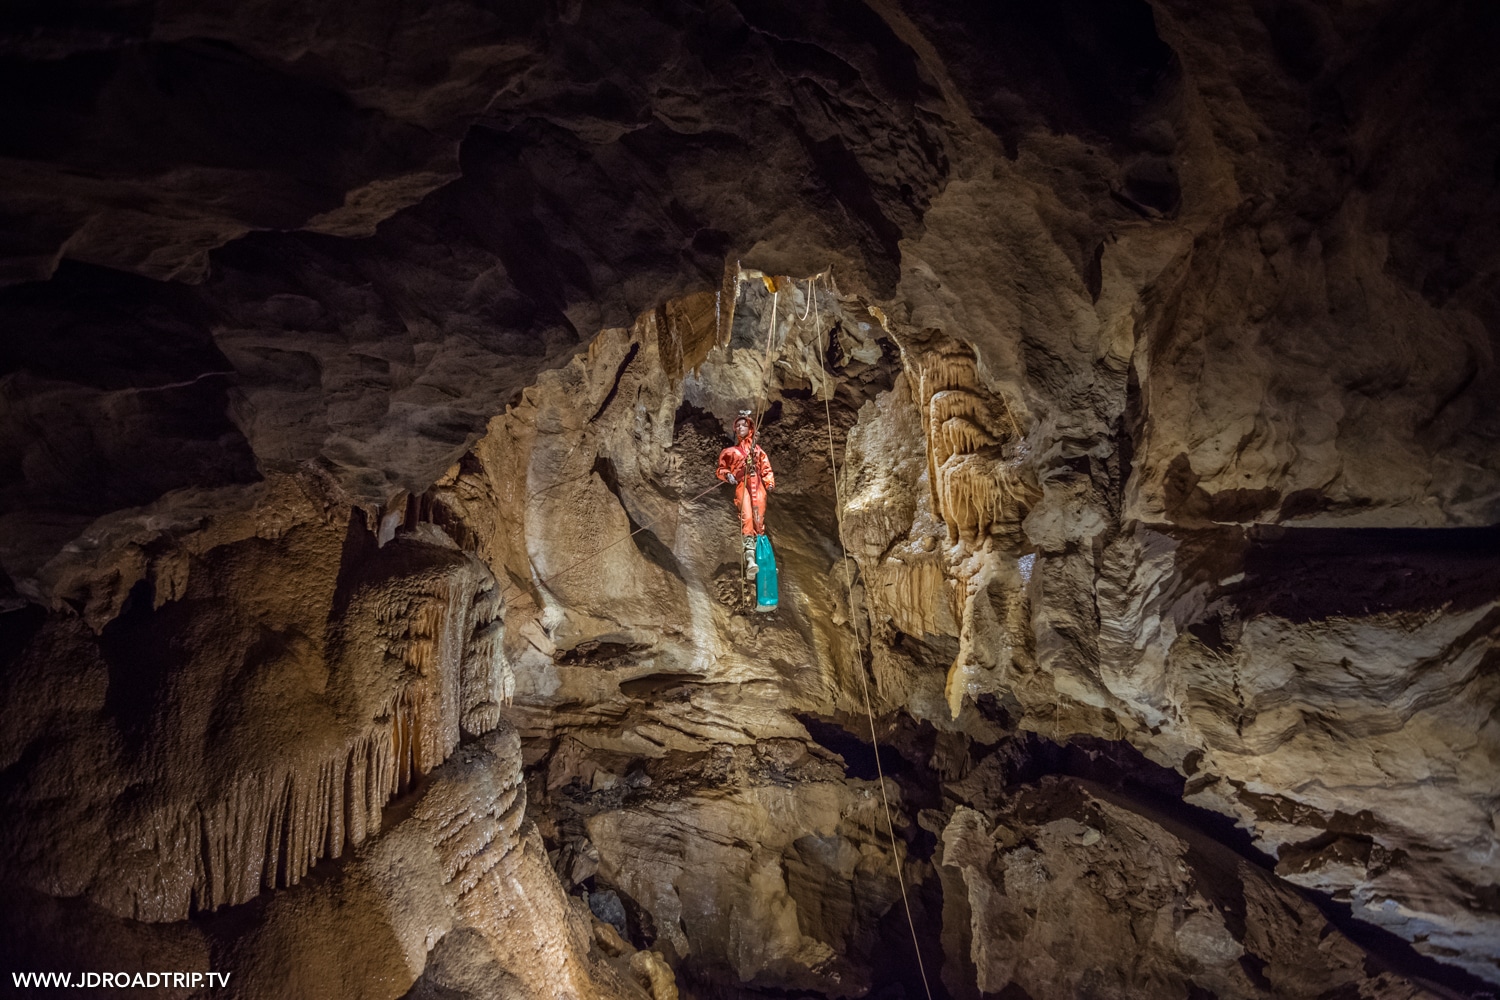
[[918, 595], [955, 426], [436, 646], [952, 367], [268, 828], [965, 425], [487, 682], [973, 493]]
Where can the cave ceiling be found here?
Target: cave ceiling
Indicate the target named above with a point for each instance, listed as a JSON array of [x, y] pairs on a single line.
[[1129, 369]]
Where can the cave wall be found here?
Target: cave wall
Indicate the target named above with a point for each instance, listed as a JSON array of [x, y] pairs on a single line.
[[1159, 349]]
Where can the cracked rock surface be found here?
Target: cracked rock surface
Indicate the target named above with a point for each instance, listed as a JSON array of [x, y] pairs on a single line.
[[371, 623]]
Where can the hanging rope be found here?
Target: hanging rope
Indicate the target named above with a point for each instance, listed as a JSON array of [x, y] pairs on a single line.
[[760, 400], [885, 801], [859, 647], [546, 581]]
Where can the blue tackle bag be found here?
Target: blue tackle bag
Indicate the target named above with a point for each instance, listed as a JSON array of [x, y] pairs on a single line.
[[765, 580]]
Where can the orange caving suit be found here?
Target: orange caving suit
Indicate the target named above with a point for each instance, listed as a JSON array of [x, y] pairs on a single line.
[[749, 492]]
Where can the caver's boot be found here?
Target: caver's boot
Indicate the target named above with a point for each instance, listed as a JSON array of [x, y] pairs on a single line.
[[750, 568]]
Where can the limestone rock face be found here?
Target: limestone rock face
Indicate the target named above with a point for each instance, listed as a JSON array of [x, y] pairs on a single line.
[[456, 897], [245, 714], [371, 622], [324, 119], [1075, 893]]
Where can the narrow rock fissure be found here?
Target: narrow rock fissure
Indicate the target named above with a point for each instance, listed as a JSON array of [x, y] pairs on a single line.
[[856, 752]]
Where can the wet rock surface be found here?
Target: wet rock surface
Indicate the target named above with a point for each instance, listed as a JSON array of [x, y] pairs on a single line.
[[371, 623]]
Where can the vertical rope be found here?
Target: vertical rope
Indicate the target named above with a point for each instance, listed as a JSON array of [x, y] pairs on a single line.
[[849, 594], [864, 682], [760, 402], [751, 466]]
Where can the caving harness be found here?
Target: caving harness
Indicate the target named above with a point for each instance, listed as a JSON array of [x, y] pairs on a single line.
[[766, 597], [757, 559]]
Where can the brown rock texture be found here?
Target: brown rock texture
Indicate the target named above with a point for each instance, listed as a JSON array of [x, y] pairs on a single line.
[[1074, 893], [371, 623]]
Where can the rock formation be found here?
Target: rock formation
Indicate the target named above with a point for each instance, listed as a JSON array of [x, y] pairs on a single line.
[[371, 623]]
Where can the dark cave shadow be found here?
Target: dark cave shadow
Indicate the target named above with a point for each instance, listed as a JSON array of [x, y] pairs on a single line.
[[1119, 771], [1309, 574]]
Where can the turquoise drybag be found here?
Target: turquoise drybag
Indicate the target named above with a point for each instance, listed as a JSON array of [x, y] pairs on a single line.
[[765, 580]]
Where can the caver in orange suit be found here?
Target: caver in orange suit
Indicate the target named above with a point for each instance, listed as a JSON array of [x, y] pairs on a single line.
[[745, 465]]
